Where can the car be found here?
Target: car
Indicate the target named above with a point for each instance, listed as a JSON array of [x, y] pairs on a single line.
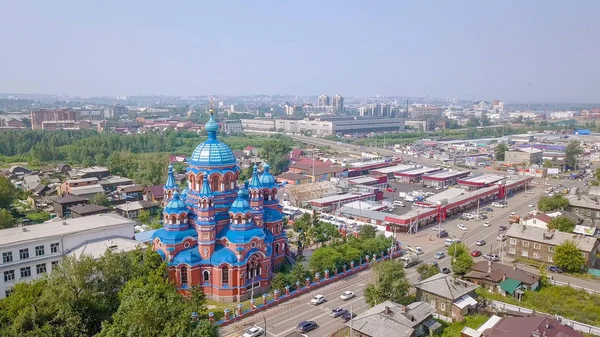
[[347, 295], [253, 332], [306, 326], [419, 250], [501, 237], [480, 243], [497, 204], [476, 253], [436, 228], [531, 205], [554, 269], [487, 224], [501, 228], [439, 255], [482, 216], [348, 316], [318, 299], [462, 227], [488, 209], [513, 213], [492, 257], [442, 234], [337, 312], [445, 270]]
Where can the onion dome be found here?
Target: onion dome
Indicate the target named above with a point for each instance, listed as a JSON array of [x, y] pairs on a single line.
[[266, 178], [255, 181], [205, 190], [183, 194], [176, 205], [171, 183], [212, 152], [240, 204]]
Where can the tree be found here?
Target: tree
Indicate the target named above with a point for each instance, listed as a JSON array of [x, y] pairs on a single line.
[[367, 232], [500, 151], [298, 273], [427, 270], [461, 261], [562, 224], [325, 258], [246, 173], [390, 283], [572, 152], [552, 203], [568, 257], [279, 281], [547, 164], [276, 153], [100, 199], [144, 216], [594, 183], [7, 192], [597, 173], [38, 217], [6, 219]]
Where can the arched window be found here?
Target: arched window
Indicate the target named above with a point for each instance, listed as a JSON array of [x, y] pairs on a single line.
[[227, 182], [192, 182], [276, 248], [266, 195], [253, 267], [214, 183], [239, 220], [225, 275], [206, 276], [183, 275], [169, 194]]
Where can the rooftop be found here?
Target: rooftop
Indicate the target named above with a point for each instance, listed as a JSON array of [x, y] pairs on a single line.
[[340, 197], [446, 286], [418, 171], [525, 326], [53, 229], [530, 150], [115, 180], [136, 205], [363, 180], [89, 189], [83, 180], [94, 169], [375, 215], [445, 174], [393, 169], [292, 176], [481, 179], [97, 248], [495, 272], [584, 201], [392, 319], [87, 209], [69, 198], [553, 238]]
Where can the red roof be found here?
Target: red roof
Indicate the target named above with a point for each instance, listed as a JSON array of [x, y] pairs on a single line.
[[297, 152], [250, 148]]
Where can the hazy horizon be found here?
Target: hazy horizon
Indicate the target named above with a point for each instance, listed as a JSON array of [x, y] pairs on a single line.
[[532, 51]]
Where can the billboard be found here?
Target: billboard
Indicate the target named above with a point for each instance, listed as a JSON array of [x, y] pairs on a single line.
[[553, 171]]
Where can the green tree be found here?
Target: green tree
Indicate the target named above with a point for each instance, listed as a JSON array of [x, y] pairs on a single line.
[[144, 216], [594, 183], [572, 152], [597, 173], [461, 261], [367, 232], [552, 203], [500, 151], [325, 258], [6, 219], [298, 273], [8, 192], [38, 217], [427, 270], [547, 164], [100, 199], [246, 173], [562, 224], [568, 257], [390, 283], [279, 281], [276, 153]]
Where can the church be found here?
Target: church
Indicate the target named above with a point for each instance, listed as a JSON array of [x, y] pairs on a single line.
[[226, 238]]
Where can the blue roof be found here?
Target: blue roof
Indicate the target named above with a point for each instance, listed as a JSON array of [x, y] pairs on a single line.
[[173, 237], [240, 204], [266, 178], [183, 194], [171, 183], [255, 181], [242, 236], [212, 152], [176, 205], [190, 256], [223, 255], [268, 237], [272, 215], [205, 190], [145, 236], [582, 132]]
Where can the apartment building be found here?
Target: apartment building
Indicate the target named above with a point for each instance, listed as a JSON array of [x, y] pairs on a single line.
[[31, 251], [539, 244]]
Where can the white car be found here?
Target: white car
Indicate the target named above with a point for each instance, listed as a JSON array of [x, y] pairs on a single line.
[[487, 224], [497, 204], [462, 227], [347, 295], [253, 332], [513, 213], [318, 299], [531, 205]]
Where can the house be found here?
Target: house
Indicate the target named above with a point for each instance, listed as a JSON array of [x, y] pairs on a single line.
[[154, 193], [30, 182], [131, 210], [585, 206], [448, 295], [95, 172], [18, 170], [69, 184], [522, 327], [79, 211], [539, 220], [63, 168], [503, 279], [393, 319], [317, 170], [63, 204], [131, 192], [296, 154], [111, 183], [87, 191], [293, 178], [539, 244], [251, 151], [177, 159]]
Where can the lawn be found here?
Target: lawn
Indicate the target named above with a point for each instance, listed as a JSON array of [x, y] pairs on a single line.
[[454, 329]]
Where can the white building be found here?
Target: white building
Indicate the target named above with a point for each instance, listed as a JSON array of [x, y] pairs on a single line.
[[30, 251]]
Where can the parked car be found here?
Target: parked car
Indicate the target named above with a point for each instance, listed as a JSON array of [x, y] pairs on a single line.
[[492, 257], [498, 205], [480, 243], [253, 332], [531, 205], [487, 224], [348, 316], [337, 312], [445, 270], [442, 234], [482, 216], [347, 295], [318, 299], [476, 253], [306, 326], [462, 227], [554, 269], [489, 209], [502, 228], [439, 255], [501, 237]]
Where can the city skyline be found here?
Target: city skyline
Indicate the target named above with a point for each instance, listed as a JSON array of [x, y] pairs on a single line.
[[519, 52]]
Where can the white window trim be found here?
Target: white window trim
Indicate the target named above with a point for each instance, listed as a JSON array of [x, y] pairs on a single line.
[[513, 241]]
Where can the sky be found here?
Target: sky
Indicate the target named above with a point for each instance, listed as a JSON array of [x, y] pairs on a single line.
[[516, 51]]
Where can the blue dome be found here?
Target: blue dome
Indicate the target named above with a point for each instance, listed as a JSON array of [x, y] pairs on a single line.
[[272, 215], [223, 255], [240, 204], [211, 153], [184, 194], [266, 178], [176, 205]]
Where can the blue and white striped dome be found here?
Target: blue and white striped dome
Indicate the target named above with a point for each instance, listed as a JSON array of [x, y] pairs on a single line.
[[176, 205], [266, 178], [212, 152], [240, 204]]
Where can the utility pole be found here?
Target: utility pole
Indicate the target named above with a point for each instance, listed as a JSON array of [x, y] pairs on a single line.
[[350, 321]]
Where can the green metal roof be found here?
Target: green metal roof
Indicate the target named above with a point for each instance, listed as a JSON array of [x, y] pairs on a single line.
[[510, 285]]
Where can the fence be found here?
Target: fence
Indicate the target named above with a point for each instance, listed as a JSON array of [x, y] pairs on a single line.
[[585, 328], [568, 284]]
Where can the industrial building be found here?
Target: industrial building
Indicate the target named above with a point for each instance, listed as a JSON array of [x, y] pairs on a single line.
[[527, 156], [414, 175], [330, 203], [299, 195], [476, 181], [443, 179], [390, 171]]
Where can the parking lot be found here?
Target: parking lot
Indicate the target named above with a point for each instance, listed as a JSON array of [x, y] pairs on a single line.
[[402, 187]]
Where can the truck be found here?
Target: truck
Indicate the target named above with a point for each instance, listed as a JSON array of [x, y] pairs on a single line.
[[514, 218], [410, 260]]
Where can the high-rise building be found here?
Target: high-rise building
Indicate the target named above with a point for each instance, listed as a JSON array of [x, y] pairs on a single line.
[[323, 100], [338, 103], [38, 117]]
